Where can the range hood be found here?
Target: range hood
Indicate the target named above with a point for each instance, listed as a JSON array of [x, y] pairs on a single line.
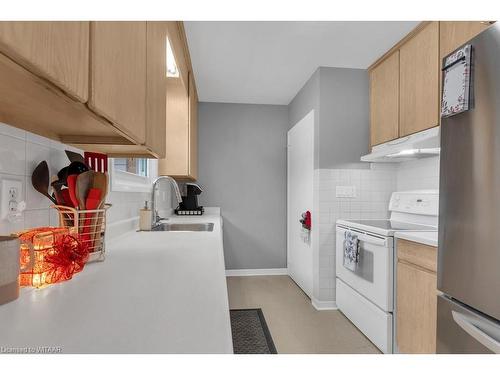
[[419, 145]]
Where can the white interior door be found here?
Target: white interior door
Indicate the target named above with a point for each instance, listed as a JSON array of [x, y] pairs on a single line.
[[300, 199]]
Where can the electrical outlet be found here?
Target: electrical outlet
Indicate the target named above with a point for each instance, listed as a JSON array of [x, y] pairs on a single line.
[[345, 191], [13, 193], [11, 196]]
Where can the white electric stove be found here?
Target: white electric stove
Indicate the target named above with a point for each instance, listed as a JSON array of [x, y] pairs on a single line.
[[365, 295]]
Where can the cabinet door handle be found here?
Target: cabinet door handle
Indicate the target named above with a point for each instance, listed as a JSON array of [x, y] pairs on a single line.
[[475, 332]]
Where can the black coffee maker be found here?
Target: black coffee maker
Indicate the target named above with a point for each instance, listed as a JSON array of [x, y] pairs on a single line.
[[189, 204]]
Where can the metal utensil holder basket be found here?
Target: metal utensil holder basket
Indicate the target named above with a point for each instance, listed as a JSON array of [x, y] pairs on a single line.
[[90, 225]]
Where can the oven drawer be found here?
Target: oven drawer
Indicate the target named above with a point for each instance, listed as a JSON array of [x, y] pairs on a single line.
[[375, 323], [373, 277]]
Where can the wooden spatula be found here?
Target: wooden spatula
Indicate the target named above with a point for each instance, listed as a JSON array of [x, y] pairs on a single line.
[[92, 203], [101, 182]]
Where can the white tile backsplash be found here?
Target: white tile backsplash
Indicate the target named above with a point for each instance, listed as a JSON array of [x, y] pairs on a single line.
[[12, 155], [418, 174], [373, 191], [21, 151]]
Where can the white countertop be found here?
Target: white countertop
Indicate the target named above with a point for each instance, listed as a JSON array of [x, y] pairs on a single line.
[[426, 238], [156, 292]]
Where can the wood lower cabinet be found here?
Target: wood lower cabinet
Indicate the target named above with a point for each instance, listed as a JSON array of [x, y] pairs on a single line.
[[419, 81], [452, 34], [416, 297], [384, 100], [118, 66], [56, 51]]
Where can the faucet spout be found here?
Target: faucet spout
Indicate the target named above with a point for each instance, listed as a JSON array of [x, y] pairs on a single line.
[[154, 210]]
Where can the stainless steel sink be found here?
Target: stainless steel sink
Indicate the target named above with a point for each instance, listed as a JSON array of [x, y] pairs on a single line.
[[184, 227]]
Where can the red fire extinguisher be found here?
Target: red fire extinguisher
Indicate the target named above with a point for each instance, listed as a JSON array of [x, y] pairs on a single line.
[[306, 220]]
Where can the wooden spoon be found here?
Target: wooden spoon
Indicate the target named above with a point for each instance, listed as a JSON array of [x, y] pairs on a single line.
[[84, 183]]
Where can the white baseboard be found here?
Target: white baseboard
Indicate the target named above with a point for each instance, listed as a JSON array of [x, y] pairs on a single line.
[[324, 305], [258, 272]]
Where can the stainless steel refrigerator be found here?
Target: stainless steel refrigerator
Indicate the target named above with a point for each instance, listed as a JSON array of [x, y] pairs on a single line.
[[469, 211]]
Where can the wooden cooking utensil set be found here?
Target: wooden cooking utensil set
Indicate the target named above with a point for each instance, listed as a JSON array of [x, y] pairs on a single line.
[[79, 193]]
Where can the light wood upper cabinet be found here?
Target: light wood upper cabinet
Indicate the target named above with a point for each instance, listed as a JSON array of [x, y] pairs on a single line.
[[113, 77], [176, 161], [193, 129], [181, 130], [384, 100], [416, 298], [419, 81], [156, 96], [453, 34], [118, 75], [36, 105], [56, 51]]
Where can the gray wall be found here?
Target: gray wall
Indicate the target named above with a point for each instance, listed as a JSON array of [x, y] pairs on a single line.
[[305, 100], [339, 98], [344, 119], [242, 169]]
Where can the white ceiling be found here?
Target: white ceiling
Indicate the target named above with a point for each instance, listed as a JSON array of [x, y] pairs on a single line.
[[268, 62]]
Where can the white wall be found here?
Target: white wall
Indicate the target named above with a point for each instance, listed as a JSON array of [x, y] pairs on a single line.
[[21, 151]]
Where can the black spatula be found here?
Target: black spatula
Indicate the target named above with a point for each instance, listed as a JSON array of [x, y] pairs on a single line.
[[40, 180], [74, 156]]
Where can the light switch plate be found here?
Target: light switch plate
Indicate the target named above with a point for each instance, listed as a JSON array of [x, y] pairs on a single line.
[[345, 191], [12, 195]]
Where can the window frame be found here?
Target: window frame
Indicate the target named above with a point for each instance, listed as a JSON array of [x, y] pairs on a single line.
[[130, 182]]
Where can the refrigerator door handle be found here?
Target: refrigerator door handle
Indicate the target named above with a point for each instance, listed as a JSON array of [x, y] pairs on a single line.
[[475, 332]]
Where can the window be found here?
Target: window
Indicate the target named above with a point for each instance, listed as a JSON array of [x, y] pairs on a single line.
[[172, 70], [133, 174], [132, 165]]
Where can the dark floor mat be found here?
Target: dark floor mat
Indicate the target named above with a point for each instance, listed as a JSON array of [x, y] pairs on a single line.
[[250, 332]]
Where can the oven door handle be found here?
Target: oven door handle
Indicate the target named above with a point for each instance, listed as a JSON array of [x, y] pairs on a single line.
[[366, 238]]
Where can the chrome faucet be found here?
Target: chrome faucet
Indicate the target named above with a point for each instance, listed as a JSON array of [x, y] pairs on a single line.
[[154, 211]]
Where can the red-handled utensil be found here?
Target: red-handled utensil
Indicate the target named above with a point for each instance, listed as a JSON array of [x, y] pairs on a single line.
[[71, 181], [96, 161]]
